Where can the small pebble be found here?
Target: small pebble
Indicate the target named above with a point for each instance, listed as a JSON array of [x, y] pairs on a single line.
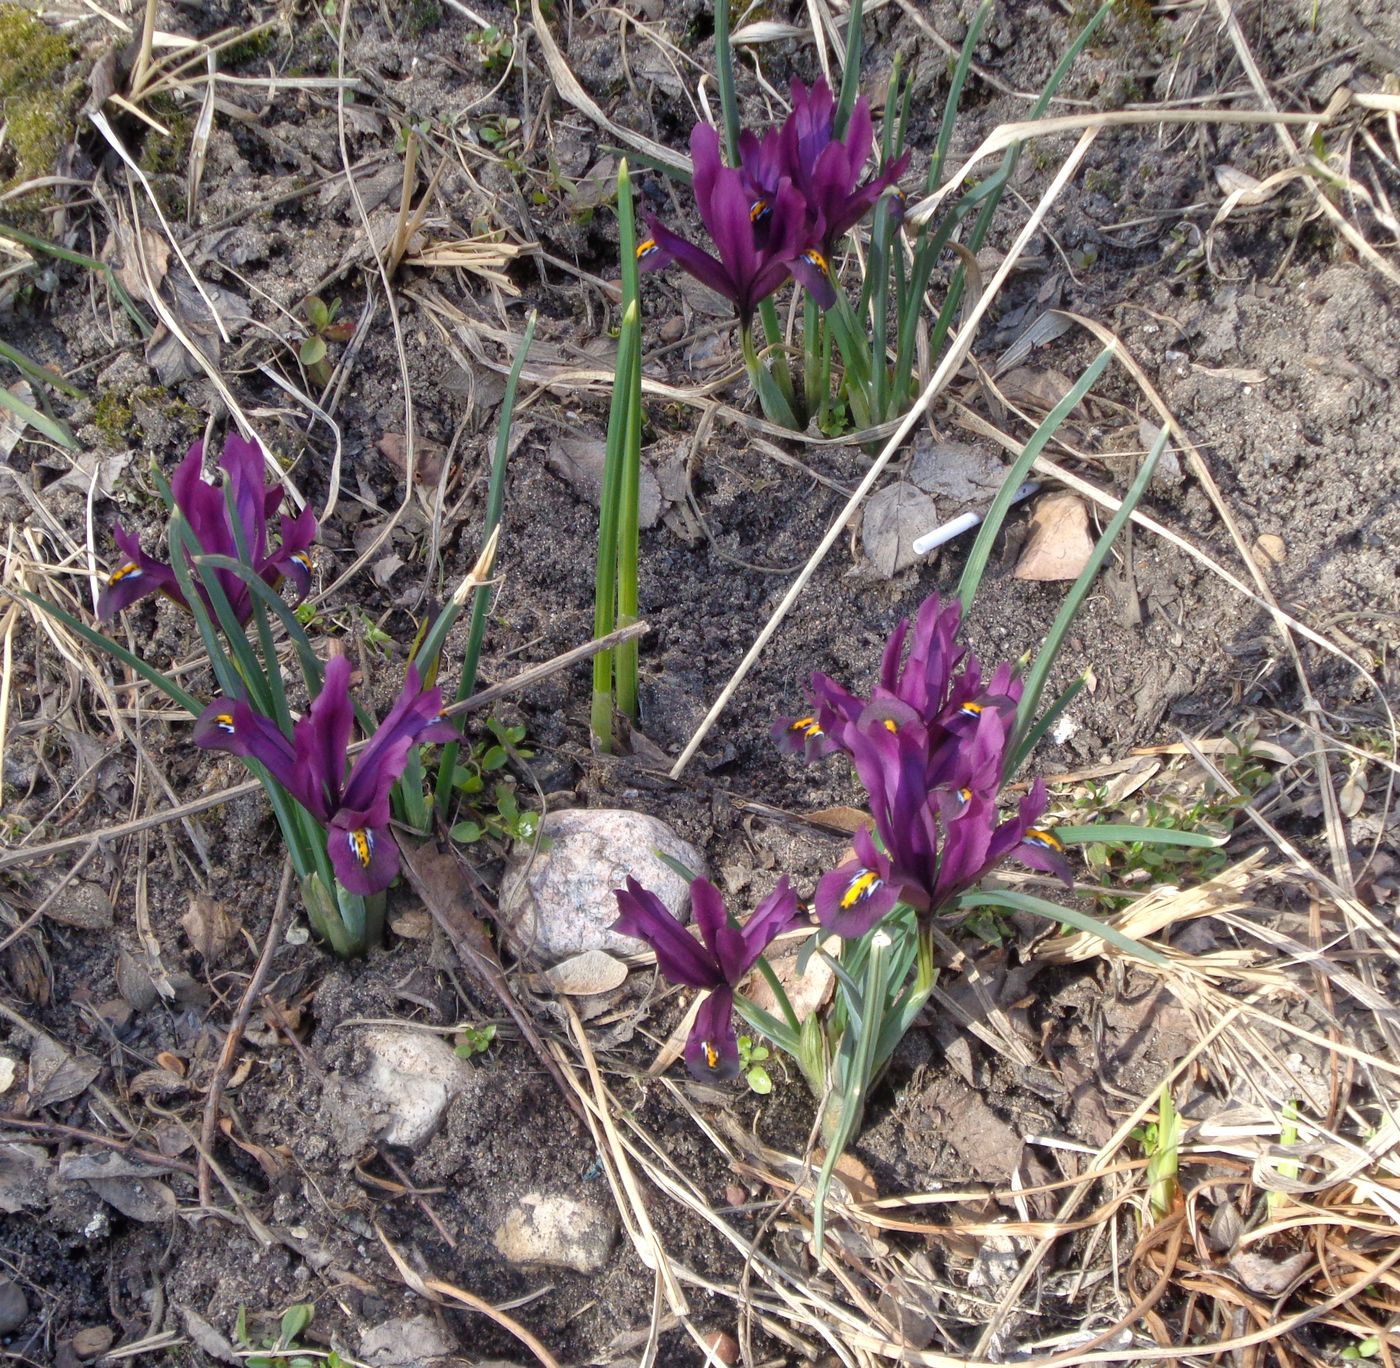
[[95, 1340], [14, 1306], [672, 330], [722, 1348]]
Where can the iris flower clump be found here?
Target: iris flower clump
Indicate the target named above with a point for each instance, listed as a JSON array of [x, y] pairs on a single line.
[[206, 508], [312, 764], [778, 215], [929, 746]]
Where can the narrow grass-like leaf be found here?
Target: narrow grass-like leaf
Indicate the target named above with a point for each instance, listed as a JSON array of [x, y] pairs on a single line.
[[1069, 916], [40, 422], [33, 371], [78, 259], [1039, 671], [991, 524], [1125, 831], [1018, 754], [955, 90], [776, 1031], [781, 375], [724, 79], [149, 673], [610, 501], [677, 867], [629, 534], [850, 76], [858, 1048], [481, 600], [271, 599], [271, 668], [183, 545]]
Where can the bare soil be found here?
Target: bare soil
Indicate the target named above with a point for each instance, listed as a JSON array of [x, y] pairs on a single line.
[[1277, 350]]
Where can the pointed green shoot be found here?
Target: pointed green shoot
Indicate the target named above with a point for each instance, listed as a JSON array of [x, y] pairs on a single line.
[[605, 590], [481, 605]]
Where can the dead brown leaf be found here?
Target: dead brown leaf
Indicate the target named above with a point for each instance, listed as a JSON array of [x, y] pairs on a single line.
[[428, 456], [894, 516]]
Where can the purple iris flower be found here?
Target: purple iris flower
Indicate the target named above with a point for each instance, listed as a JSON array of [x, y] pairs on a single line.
[[720, 964], [825, 169], [311, 766], [744, 272], [205, 509], [933, 798]]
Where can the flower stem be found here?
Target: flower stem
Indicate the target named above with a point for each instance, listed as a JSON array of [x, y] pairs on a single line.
[[776, 406]]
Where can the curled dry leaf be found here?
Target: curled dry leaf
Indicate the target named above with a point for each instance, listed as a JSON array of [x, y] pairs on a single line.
[[894, 516], [209, 928], [578, 461], [134, 981], [55, 1075], [428, 456], [138, 1199], [157, 1083], [84, 905], [23, 1176]]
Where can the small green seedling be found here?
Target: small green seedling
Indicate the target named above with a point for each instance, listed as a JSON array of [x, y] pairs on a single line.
[[496, 50], [474, 1040], [1363, 1349], [1161, 1142], [751, 1061], [324, 328], [283, 1352], [491, 805]]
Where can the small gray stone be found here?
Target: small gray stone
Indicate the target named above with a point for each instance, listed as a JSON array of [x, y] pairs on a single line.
[[413, 1077], [557, 1231], [562, 902], [14, 1306], [407, 1342]]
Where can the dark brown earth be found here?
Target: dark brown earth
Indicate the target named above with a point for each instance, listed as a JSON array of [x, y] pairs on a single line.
[[1277, 352]]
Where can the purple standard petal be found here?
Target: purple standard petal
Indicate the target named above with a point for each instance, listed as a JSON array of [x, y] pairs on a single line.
[[712, 1050], [137, 576], [812, 119], [321, 738], [774, 915], [708, 912], [231, 725], [242, 464], [202, 504], [679, 956], [365, 858], [933, 656], [416, 717]]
